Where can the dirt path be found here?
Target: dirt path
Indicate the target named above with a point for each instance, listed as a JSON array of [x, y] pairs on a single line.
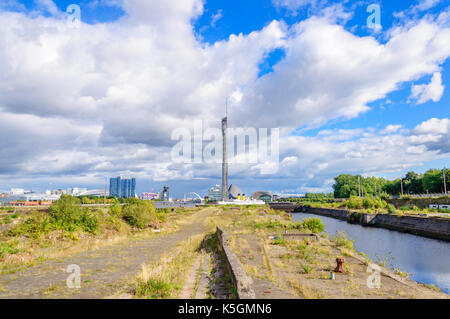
[[103, 271]]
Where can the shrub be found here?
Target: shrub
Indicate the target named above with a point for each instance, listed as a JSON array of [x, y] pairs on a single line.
[[391, 209], [89, 222], [355, 217], [115, 209], [354, 202], [314, 225], [32, 227], [67, 214], [384, 196], [368, 202], [139, 214], [341, 240]]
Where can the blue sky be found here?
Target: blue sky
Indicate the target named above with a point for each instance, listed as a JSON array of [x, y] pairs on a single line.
[[214, 26]]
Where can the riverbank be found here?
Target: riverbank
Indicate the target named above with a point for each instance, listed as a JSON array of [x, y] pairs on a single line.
[[284, 261], [428, 226]]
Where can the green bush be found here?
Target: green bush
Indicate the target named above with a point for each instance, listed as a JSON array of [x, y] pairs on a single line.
[[67, 214], [341, 240], [89, 221], [115, 209], [314, 225], [354, 202], [139, 214], [391, 209], [371, 202]]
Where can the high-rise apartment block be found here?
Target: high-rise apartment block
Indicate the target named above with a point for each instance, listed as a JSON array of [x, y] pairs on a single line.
[[122, 187]]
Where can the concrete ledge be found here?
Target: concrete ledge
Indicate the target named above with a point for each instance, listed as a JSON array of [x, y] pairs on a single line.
[[241, 280], [432, 227]]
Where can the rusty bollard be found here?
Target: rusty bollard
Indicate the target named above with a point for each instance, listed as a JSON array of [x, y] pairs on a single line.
[[340, 265]]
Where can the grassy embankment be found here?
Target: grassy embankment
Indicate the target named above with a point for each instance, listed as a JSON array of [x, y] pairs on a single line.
[[302, 267], [67, 227], [371, 205]]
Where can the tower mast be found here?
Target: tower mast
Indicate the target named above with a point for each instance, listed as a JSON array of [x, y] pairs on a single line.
[[224, 155]]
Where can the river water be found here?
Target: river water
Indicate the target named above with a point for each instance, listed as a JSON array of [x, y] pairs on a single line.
[[427, 260]]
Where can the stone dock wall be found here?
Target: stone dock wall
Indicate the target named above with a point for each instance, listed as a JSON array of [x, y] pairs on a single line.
[[242, 282], [432, 227]]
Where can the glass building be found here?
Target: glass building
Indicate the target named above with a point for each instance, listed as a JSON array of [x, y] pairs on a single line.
[[215, 194], [122, 187]]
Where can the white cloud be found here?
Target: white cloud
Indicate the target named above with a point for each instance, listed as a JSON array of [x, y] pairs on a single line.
[[216, 17], [426, 92], [391, 129], [426, 4], [104, 98]]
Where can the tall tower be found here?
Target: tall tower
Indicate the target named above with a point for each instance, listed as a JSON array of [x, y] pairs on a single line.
[[224, 160]]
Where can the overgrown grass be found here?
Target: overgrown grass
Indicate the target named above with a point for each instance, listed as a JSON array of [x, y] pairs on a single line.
[[341, 240], [314, 225], [66, 225], [165, 279]]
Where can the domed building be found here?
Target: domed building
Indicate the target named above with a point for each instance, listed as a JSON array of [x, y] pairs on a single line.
[[262, 195], [234, 191]]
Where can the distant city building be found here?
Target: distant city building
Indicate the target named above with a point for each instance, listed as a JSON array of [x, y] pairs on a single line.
[[215, 194], [164, 195], [17, 191], [4, 195], [234, 192], [279, 195], [75, 191], [262, 195], [149, 196], [122, 187], [95, 192], [59, 192]]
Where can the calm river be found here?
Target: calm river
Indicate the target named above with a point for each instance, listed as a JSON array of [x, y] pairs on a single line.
[[427, 260]]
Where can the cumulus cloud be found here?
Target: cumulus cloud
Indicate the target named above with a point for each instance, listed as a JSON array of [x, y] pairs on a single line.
[[426, 92], [103, 99]]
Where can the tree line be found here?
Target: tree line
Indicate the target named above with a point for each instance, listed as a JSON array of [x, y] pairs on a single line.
[[432, 182]]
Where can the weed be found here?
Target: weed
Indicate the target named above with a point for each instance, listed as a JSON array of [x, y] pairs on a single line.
[[341, 240], [314, 225], [153, 288], [307, 269]]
